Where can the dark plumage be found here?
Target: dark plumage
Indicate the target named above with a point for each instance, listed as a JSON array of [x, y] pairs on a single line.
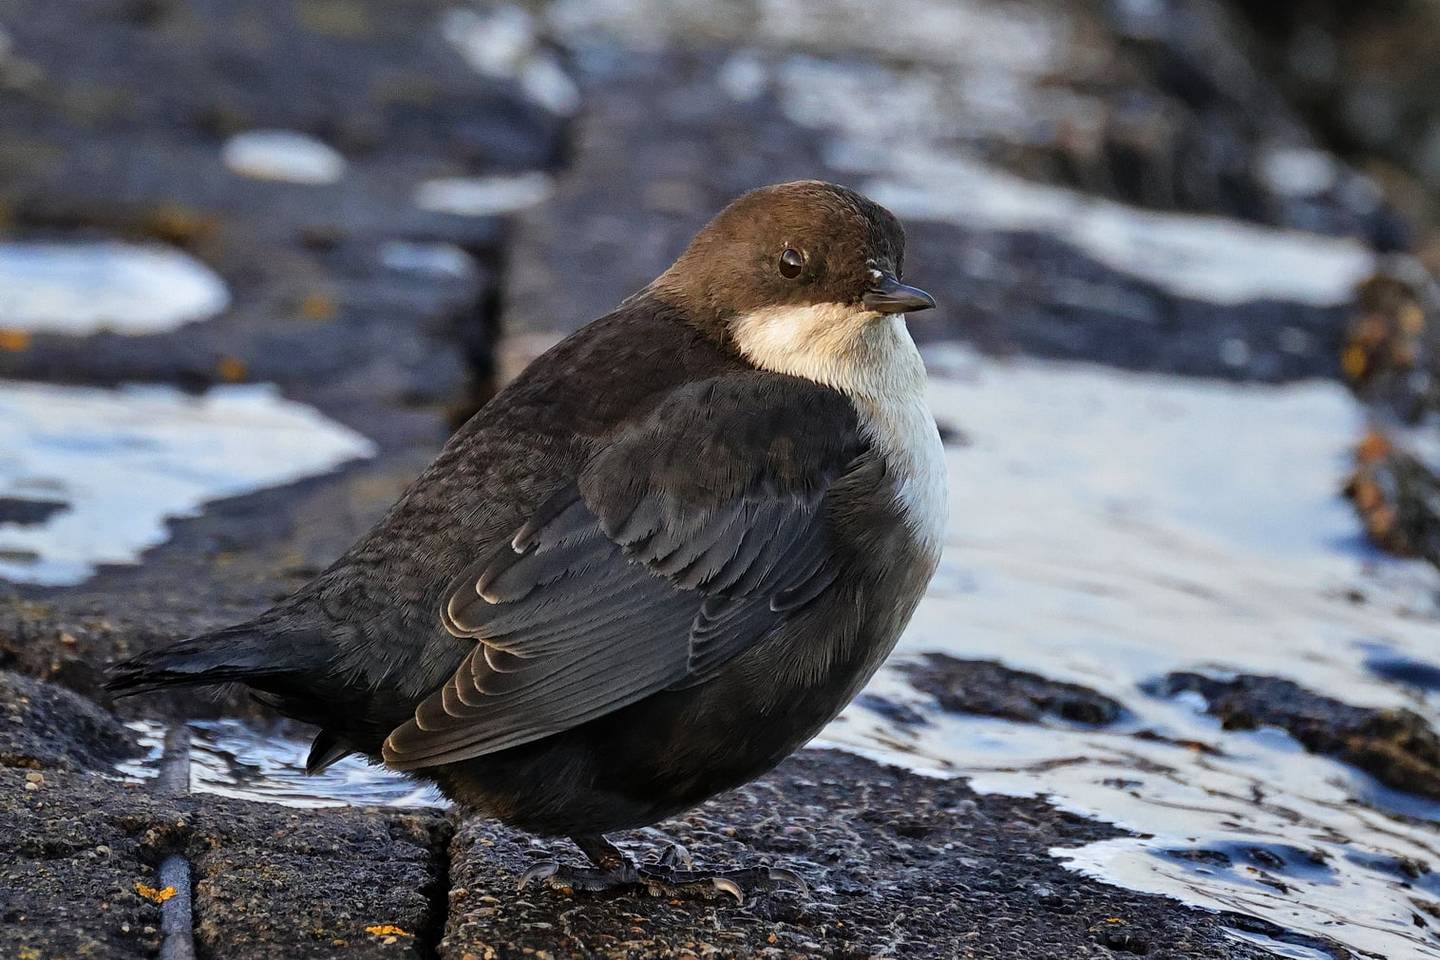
[[651, 567]]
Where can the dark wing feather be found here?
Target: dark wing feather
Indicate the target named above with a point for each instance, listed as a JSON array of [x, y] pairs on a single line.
[[683, 543]]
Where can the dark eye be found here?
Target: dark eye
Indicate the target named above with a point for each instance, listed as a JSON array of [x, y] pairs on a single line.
[[791, 263]]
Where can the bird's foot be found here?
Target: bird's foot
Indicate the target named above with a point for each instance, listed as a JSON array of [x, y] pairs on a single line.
[[673, 874]]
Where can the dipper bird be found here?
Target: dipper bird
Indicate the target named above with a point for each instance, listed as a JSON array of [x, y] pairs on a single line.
[[654, 565]]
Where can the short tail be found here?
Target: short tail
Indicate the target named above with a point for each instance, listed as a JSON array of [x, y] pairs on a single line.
[[240, 653], [247, 653]]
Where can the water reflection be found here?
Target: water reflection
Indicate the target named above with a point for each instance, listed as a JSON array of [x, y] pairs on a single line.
[[230, 759], [116, 464]]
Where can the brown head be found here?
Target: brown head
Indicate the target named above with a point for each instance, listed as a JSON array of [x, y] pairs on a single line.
[[802, 278]]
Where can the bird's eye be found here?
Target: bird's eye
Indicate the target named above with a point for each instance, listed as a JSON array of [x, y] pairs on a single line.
[[791, 263]]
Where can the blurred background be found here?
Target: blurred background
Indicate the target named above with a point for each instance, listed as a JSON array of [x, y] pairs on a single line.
[[257, 259]]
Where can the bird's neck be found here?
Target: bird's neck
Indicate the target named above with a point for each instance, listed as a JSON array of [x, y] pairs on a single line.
[[874, 362]]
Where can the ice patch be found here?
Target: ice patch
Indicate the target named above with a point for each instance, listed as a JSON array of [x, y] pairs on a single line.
[[1299, 171], [501, 41], [437, 259], [81, 288], [124, 461], [1108, 528], [483, 196], [283, 155]]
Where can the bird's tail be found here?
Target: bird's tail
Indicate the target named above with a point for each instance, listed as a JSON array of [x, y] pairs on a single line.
[[240, 653]]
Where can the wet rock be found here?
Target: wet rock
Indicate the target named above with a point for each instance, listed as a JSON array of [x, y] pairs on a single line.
[[1391, 360], [22, 511], [890, 710], [992, 689], [1360, 75], [78, 861], [73, 856], [896, 863], [122, 133], [271, 881], [1397, 497], [46, 727], [1397, 747], [1389, 356]]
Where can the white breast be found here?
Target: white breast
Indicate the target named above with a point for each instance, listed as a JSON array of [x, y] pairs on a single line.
[[873, 361]]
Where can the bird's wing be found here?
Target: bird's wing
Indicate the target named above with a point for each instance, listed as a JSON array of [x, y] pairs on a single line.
[[685, 540]]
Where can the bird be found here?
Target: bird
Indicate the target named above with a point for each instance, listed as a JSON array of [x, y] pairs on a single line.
[[652, 566]]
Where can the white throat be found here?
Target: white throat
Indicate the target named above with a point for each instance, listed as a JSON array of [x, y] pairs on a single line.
[[871, 359]]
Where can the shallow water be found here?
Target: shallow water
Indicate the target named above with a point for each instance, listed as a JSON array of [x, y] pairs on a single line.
[[231, 759], [82, 287], [90, 476]]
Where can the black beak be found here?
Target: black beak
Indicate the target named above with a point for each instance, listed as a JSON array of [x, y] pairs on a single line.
[[889, 295]]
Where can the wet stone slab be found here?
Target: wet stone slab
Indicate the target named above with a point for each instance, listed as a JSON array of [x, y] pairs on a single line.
[[897, 864], [343, 289], [43, 726], [72, 851], [78, 878], [271, 882]]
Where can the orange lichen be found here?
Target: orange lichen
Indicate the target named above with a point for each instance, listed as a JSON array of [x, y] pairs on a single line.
[[14, 341], [388, 930], [317, 306], [1354, 361], [152, 893], [231, 369], [1373, 447]]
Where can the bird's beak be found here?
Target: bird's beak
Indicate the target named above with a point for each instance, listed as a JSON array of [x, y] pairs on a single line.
[[889, 295]]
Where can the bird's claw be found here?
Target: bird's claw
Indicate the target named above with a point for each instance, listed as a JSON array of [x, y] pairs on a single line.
[[785, 875], [726, 885], [672, 873]]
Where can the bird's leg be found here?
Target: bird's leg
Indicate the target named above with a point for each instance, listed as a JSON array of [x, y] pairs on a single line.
[[673, 873]]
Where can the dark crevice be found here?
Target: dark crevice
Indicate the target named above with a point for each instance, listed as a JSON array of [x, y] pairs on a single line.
[[437, 892]]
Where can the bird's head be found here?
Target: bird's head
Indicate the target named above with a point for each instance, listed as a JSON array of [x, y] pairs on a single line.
[[802, 278]]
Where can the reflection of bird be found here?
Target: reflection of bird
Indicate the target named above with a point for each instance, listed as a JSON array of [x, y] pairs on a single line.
[[654, 565]]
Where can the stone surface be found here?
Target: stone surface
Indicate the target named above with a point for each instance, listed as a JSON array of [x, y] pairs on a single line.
[[128, 144], [273, 882], [1397, 747], [994, 690], [78, 859], [352, 296], [897, 865], [43, 726]]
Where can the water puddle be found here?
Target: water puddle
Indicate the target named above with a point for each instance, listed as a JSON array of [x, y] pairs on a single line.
[[483, 196], [231, 759], [283, 155], [1108, 528], [90, 476], [82, 288]]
